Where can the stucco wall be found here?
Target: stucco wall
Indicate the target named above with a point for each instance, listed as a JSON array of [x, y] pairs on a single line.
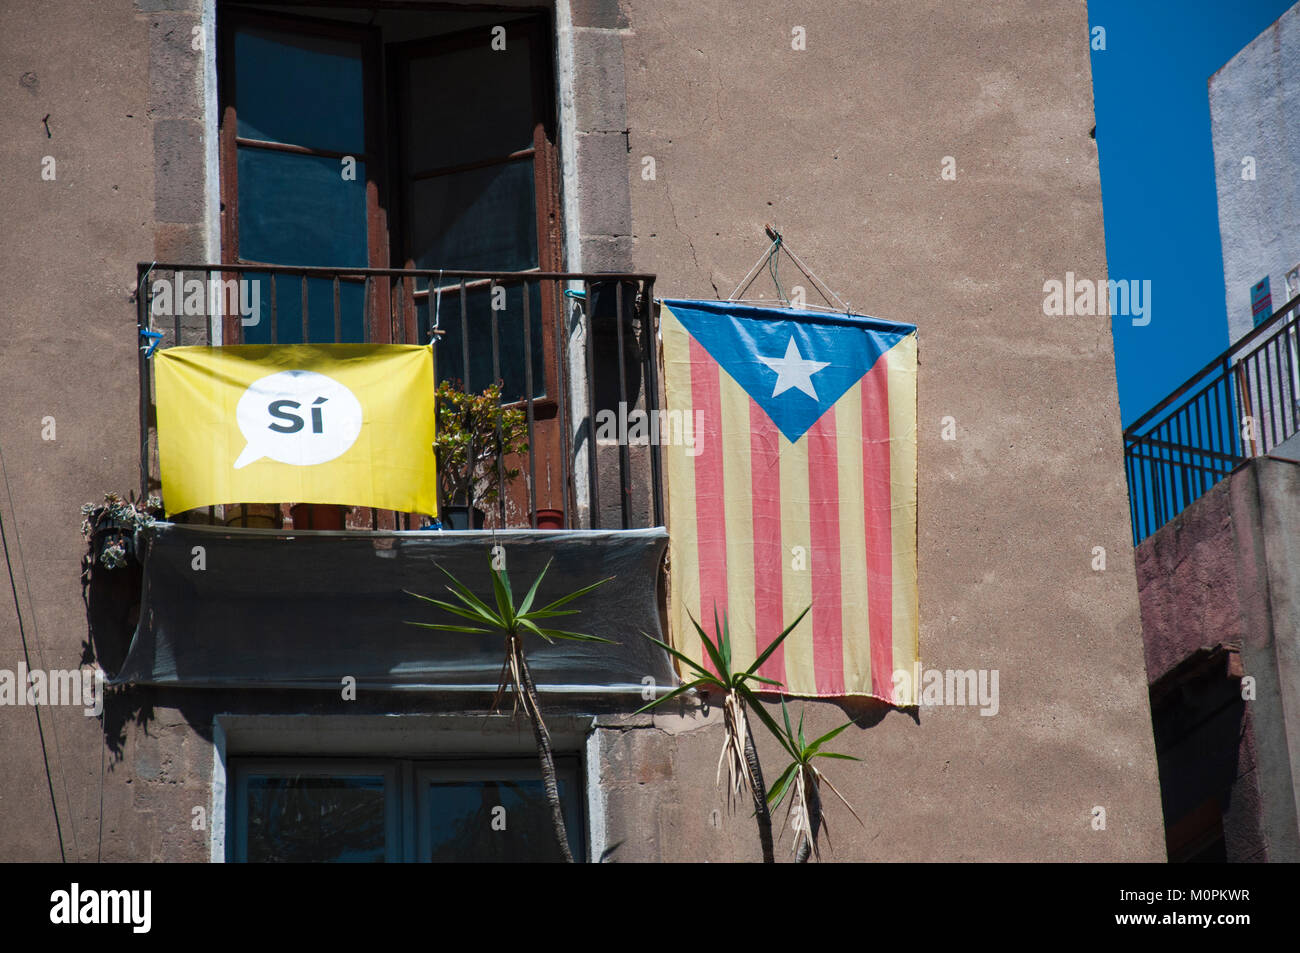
[[67, 351], [1253, 103], [841, 145]]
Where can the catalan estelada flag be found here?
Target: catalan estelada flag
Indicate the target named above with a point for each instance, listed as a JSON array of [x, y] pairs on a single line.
[[350, 424], [799, 488]]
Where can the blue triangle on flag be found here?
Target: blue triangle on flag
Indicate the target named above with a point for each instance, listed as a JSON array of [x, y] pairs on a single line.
[[795, 364]]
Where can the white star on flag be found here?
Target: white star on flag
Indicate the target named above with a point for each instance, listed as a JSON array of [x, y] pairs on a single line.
[[793, 371]]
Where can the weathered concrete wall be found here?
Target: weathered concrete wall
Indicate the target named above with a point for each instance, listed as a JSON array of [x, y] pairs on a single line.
[[841, 146], [67, 352], [1253, 102], [1193, 586], [1225, 572]]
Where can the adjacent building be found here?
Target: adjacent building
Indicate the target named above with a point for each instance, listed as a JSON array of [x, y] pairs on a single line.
[[1215, 484]]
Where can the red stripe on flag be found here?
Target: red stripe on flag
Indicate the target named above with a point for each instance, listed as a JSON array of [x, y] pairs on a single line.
[[827, 617], [876, 481], [710, 512], [769, 556]]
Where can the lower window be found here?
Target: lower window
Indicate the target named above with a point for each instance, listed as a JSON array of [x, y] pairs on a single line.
[[364, 811]]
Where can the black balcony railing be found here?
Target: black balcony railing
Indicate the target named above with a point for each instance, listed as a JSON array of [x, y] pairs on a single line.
[[565, 346], [1240, 405]]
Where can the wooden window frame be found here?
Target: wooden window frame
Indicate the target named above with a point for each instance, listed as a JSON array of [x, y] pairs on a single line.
[[546, 176], [383, 102], [230, 20]]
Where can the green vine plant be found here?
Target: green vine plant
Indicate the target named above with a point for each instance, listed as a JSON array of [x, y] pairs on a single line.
[[473, 432], [501, 616]]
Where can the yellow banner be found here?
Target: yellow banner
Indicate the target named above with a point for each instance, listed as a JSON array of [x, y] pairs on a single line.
[[350, 424]]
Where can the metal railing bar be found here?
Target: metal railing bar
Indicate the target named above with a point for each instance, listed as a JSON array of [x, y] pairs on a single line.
[[650, 343], [143, 302], [496, 376], [500, 277], [528, 402], [338, 317], [563, 379], [1238, 346], [464, 337], [401, 299], [624, 462], [1135, 449], [589, 346]]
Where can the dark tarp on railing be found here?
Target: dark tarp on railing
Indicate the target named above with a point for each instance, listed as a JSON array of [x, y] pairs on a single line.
[[277, 608]]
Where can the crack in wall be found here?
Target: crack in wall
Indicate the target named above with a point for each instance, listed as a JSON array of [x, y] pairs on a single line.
[[672, 208]]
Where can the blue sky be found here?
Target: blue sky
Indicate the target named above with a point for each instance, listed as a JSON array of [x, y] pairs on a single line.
[[1157, 178]]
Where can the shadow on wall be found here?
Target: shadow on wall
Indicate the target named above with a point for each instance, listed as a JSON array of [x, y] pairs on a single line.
[[868, 712], [112, 600]]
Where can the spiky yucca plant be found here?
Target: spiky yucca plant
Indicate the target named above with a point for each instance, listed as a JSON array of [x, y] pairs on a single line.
[[804, 779], [744, 773], [513, 622]]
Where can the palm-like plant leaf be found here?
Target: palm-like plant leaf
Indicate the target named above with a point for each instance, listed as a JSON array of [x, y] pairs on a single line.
[[452, 628], [738, 750], [775, 642], [803, 778], [705, 674], [532, 590], [563, 600]]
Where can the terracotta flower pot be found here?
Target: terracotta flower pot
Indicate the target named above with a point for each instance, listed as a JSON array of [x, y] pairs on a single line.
[[319, 516], [550, 519]]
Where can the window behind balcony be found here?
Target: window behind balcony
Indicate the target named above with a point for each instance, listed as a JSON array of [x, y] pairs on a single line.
[[301, 168], [356, 138]]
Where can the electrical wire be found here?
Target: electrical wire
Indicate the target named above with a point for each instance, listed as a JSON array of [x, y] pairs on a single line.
[[22, 633]]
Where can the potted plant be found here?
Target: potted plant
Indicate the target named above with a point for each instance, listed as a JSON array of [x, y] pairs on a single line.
[[110, 528], [474, 436]]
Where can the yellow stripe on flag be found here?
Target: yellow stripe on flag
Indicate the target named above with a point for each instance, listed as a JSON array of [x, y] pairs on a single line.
[[737, 464], [902, 458], [679, 469], [796, 583], [853, 542]]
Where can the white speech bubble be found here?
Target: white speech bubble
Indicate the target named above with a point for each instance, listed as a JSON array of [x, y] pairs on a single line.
[[297, 417]]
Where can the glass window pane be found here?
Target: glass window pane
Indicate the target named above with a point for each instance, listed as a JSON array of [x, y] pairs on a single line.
[[470, 104], [298, 210], [303, 90], [295, 819], [497, 821], [510, 339], [481, 220]]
